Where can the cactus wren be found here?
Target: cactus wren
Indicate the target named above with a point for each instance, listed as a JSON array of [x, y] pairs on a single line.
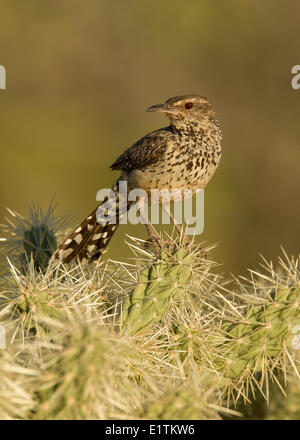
[[183, 155]]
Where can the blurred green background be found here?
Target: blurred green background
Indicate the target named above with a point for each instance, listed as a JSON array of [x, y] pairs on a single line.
[[80, 74]]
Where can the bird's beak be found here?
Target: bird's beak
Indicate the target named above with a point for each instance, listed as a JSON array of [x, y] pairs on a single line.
[[163, 108]]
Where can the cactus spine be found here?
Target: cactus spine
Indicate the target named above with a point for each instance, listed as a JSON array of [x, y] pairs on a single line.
[[236, 351], [187, 403], [157, 286], [86, 379], [39, 244]]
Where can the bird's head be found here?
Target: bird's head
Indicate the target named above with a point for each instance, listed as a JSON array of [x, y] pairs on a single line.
[[186, 111]]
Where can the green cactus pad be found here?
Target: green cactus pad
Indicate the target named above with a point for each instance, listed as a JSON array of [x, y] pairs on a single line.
[[159, 284]]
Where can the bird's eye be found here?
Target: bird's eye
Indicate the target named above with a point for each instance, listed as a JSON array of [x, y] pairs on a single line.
[[188, 105]]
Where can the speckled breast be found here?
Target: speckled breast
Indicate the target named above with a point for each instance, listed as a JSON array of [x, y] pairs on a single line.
[[190, 170]]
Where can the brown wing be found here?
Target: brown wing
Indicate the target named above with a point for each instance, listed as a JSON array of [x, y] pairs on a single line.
[[145, 152]]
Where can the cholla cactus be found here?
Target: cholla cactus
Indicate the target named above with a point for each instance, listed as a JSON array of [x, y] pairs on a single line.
[[33, 238], [286, 407], [232, 338], [86, 378], [39, 303], [263, 333], [178, 318], [233, 345], [34, 309], [15, 399], [39, 244], [157, 286], [186, 403]]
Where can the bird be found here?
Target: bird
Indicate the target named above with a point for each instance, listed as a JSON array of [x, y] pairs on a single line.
[[183, 155]]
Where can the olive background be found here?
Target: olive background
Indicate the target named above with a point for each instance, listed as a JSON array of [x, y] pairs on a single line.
[[81, 73]]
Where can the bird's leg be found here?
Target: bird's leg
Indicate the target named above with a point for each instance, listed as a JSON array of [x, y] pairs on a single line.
[[153, 236], [182, 235], [166, 208]]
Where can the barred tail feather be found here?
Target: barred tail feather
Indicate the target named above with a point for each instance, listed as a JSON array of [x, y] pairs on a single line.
[[89, 240]]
